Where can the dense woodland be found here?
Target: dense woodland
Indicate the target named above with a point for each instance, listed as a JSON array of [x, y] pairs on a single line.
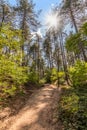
[[58, 57]]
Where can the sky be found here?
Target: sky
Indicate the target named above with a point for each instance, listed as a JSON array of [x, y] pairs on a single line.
[[44, 5], [41, 4]]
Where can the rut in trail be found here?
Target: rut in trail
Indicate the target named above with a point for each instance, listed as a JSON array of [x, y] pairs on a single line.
[[37, 114]]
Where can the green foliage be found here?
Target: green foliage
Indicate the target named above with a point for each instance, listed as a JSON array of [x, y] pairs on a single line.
[[9, 91], [78, 78], [12, 74], [75, 42], [48, 76], [72, 109], [61, 75], [72, 43], [78, 73], [52, 75], [84, 29], [55, 74], [33, 77], [70, 103], [42, 81], [73, 103]]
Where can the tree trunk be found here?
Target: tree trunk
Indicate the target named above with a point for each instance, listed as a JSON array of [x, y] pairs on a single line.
[[73, 20], [76, 29]]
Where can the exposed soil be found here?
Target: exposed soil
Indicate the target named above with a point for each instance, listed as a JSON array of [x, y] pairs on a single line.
[[39, 112]]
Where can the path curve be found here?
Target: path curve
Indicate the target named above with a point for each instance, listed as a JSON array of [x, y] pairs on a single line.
[[37, 114]]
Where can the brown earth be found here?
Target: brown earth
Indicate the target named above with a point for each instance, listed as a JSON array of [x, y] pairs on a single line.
[[38, 113]]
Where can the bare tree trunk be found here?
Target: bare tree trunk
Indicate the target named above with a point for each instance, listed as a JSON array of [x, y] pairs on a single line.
[[38, 58], [76, 29], [73, 20], [64, 59]]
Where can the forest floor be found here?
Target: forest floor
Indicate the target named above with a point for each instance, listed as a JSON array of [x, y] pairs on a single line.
[[39, 112]]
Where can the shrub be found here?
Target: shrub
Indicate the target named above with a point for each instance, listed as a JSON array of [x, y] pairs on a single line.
[[12, 74], [33, 77], [55, 74], [73, 108], [48, 76], [51, 76], [78, 73]]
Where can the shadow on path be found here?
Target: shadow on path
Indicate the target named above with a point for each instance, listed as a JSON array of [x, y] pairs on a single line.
[[37, 114]]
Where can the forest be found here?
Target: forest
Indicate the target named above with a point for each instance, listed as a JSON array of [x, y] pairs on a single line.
[[58, 56]]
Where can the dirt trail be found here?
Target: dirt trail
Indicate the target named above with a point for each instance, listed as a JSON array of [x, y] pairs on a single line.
[[38, 113]]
